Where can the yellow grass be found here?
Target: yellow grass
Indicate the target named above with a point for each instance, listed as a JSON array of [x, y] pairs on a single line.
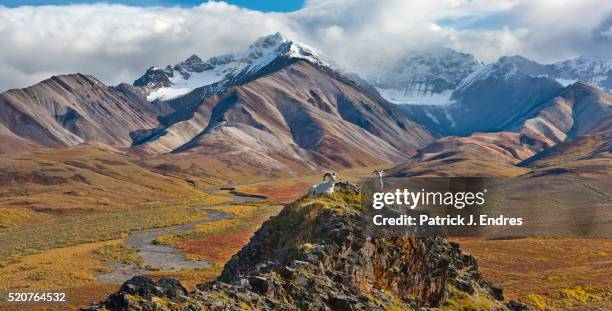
[[57, 268], [111, 253], [91, 227], [10, 217]]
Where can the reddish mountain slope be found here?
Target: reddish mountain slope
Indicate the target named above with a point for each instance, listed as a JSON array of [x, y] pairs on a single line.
[[301, 111], [68, 110]]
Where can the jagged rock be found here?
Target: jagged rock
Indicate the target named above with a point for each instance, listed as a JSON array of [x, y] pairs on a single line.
[[259, 284], [147, 289], [516, 306], [497, 292], [315, 255]]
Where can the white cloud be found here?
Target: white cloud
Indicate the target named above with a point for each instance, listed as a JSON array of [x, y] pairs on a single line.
[[117, 43]]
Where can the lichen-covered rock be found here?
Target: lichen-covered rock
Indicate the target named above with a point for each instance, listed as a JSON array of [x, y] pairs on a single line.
[[143, 293], [315, 256]]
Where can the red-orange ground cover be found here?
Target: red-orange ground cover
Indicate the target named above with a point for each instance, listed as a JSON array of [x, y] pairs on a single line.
[[280, 192], [217, 248]]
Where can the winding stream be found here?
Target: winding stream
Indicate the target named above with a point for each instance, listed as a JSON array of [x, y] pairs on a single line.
[[165, 257]]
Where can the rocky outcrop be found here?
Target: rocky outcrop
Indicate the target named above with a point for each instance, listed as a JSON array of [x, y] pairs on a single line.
[[165, 288], [315, 255]]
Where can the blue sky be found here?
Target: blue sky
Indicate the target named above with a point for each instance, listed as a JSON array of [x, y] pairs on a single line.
[[260, 5]]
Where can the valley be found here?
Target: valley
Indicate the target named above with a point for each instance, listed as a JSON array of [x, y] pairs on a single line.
[[207, 240]]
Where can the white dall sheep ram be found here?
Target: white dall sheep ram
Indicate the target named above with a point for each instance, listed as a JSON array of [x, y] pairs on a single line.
[[378, 180], [325, 187]]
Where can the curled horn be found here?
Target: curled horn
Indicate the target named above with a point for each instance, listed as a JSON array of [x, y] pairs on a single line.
[[327, 175]]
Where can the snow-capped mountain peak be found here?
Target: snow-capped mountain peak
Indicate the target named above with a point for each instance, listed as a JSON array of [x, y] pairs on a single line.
[[426, 77], [596, 71], [218, 72], [507, 67]]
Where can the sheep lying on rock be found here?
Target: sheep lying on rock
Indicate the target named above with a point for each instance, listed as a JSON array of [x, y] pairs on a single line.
[[325, 187]]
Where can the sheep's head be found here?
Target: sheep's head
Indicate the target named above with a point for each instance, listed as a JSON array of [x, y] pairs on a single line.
[[330, 177], [379, 174]]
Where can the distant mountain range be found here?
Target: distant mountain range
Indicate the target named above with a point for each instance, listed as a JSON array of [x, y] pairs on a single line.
[[274, 102], [502, 95], [431, 77], [423, 78], [280, 102]]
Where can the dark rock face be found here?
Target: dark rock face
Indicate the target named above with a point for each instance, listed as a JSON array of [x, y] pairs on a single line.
[[315, 256], [516, 306], [147, 289], [155, 78]]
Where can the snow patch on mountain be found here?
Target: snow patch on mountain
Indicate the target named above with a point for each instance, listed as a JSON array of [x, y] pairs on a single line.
[[566, 82], [166, 93], [404, 97], [596, 71], [506, 68], [223, 70]]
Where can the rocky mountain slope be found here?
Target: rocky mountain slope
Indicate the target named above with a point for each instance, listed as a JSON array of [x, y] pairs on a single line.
[[327, 119], [495, 98], [596, 71], [578, 112], [431, 77], [291, 106], [586, 153], [11, 143], [315, 256], [72, 109]]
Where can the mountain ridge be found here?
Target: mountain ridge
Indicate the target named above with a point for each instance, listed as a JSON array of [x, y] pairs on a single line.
[[70, 109], [328, 117], [228, 106], [574, 118], [333, 106]]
